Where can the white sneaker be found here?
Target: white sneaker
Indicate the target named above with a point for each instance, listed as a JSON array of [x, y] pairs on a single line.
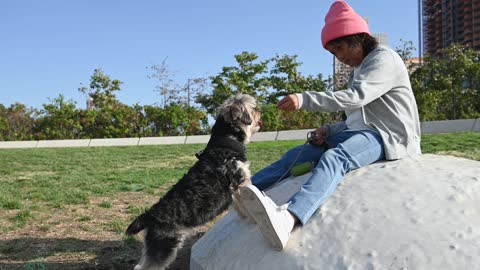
[[275, 222]]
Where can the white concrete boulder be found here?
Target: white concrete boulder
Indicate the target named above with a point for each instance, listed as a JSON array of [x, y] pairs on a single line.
[[421, 213]]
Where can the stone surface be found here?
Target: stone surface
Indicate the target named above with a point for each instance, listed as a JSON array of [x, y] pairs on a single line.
[[421, 213]]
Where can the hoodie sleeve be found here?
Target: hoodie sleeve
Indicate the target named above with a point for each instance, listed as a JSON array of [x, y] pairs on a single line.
[[375, 77]]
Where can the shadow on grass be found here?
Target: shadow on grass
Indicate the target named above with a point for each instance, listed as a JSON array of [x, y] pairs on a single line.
[[76, 254]]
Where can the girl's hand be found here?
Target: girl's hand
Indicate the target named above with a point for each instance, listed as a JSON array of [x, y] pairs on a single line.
[[288, 103]]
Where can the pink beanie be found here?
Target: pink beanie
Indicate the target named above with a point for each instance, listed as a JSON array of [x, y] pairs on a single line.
[[341, 20]]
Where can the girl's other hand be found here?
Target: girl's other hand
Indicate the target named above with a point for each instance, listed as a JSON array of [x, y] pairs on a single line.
[[320, 136]]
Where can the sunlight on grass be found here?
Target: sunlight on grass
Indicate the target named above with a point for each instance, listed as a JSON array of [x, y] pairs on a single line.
[[118, 226], [21, 218], [83, 219], [136, 210], [105, 204], [96, 192], [52, 178], [10, 203], [466, 145]]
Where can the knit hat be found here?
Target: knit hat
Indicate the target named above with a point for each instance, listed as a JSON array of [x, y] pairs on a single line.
[[341, 20]]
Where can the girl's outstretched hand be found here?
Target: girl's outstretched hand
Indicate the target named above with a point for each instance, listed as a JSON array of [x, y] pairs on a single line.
[[288, 103]]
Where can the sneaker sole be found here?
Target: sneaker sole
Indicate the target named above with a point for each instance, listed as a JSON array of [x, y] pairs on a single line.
[[258, 212]]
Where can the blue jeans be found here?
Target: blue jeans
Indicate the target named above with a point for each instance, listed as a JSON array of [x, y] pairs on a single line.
[[346, 151]]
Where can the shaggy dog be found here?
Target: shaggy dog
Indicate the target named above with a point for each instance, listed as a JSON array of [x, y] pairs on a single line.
[[207, 189]]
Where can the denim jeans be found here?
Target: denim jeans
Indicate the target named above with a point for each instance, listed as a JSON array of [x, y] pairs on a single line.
[[343, 152]]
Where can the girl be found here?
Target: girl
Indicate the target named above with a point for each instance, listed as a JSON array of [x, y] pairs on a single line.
[[382, 123]]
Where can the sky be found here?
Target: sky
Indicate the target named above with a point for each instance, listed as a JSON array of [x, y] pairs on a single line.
[[52, 47]]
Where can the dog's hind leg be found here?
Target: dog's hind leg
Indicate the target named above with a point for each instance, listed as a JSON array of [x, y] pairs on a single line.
[[160, 250]]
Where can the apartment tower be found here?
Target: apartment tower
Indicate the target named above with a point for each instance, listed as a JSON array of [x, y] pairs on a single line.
[[450, 21]]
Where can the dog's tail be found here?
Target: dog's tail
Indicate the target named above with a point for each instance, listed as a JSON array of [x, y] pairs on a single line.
[[138, 225]]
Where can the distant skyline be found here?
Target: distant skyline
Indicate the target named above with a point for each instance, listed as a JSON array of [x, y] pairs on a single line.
[[51, 47]]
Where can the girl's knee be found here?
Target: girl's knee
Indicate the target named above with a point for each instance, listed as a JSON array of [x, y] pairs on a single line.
[[337, 155]]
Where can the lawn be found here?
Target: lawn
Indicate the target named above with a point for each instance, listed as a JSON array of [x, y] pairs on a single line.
[[67, 208]]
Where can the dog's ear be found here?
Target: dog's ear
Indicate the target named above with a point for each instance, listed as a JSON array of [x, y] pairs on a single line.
[[239, 113], [246, 118], [137, 225]]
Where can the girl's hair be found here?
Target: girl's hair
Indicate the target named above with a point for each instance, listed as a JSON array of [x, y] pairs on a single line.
[[367, 42]]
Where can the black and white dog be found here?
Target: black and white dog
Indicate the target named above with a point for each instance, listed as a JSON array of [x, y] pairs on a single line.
[[207, 189]]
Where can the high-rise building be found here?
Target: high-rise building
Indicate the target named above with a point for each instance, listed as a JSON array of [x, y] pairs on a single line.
[[382, 38], [450, 21], [90, 104]]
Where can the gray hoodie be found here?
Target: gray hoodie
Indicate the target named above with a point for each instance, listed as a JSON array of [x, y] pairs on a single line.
[[382, 90]]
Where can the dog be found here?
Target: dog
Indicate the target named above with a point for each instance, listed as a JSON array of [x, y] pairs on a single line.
[[206, 190]]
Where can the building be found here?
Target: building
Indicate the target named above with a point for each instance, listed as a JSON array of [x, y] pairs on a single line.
[[382, 38], [340, 73], [413, 63], [90, 104], [450, 21]]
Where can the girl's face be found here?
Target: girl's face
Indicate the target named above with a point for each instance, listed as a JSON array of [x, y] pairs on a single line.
[[351, 55]]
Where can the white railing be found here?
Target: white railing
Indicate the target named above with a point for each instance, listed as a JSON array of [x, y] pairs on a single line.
[[449, 126]]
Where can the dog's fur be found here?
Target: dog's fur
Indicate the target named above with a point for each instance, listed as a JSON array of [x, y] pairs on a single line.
[[206, 190]]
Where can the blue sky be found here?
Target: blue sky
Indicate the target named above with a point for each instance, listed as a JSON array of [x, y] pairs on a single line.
[[50, 47]]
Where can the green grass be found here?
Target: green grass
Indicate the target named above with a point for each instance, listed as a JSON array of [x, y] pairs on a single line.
[[105, 204], [118, 226], [55, 177], [94, 193], [60, 176], [466, 145], [22, 218]]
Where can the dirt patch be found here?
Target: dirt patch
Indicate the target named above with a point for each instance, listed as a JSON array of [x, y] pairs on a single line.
[[80, 237], [157, 164]]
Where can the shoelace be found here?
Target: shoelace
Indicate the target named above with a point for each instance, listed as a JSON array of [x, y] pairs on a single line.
[[283, 207]]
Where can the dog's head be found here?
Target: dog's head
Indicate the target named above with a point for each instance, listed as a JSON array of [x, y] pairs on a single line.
[[242, 111]]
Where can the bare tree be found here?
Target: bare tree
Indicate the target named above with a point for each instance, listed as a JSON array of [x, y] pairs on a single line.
[[167, 88], [192, 88]]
